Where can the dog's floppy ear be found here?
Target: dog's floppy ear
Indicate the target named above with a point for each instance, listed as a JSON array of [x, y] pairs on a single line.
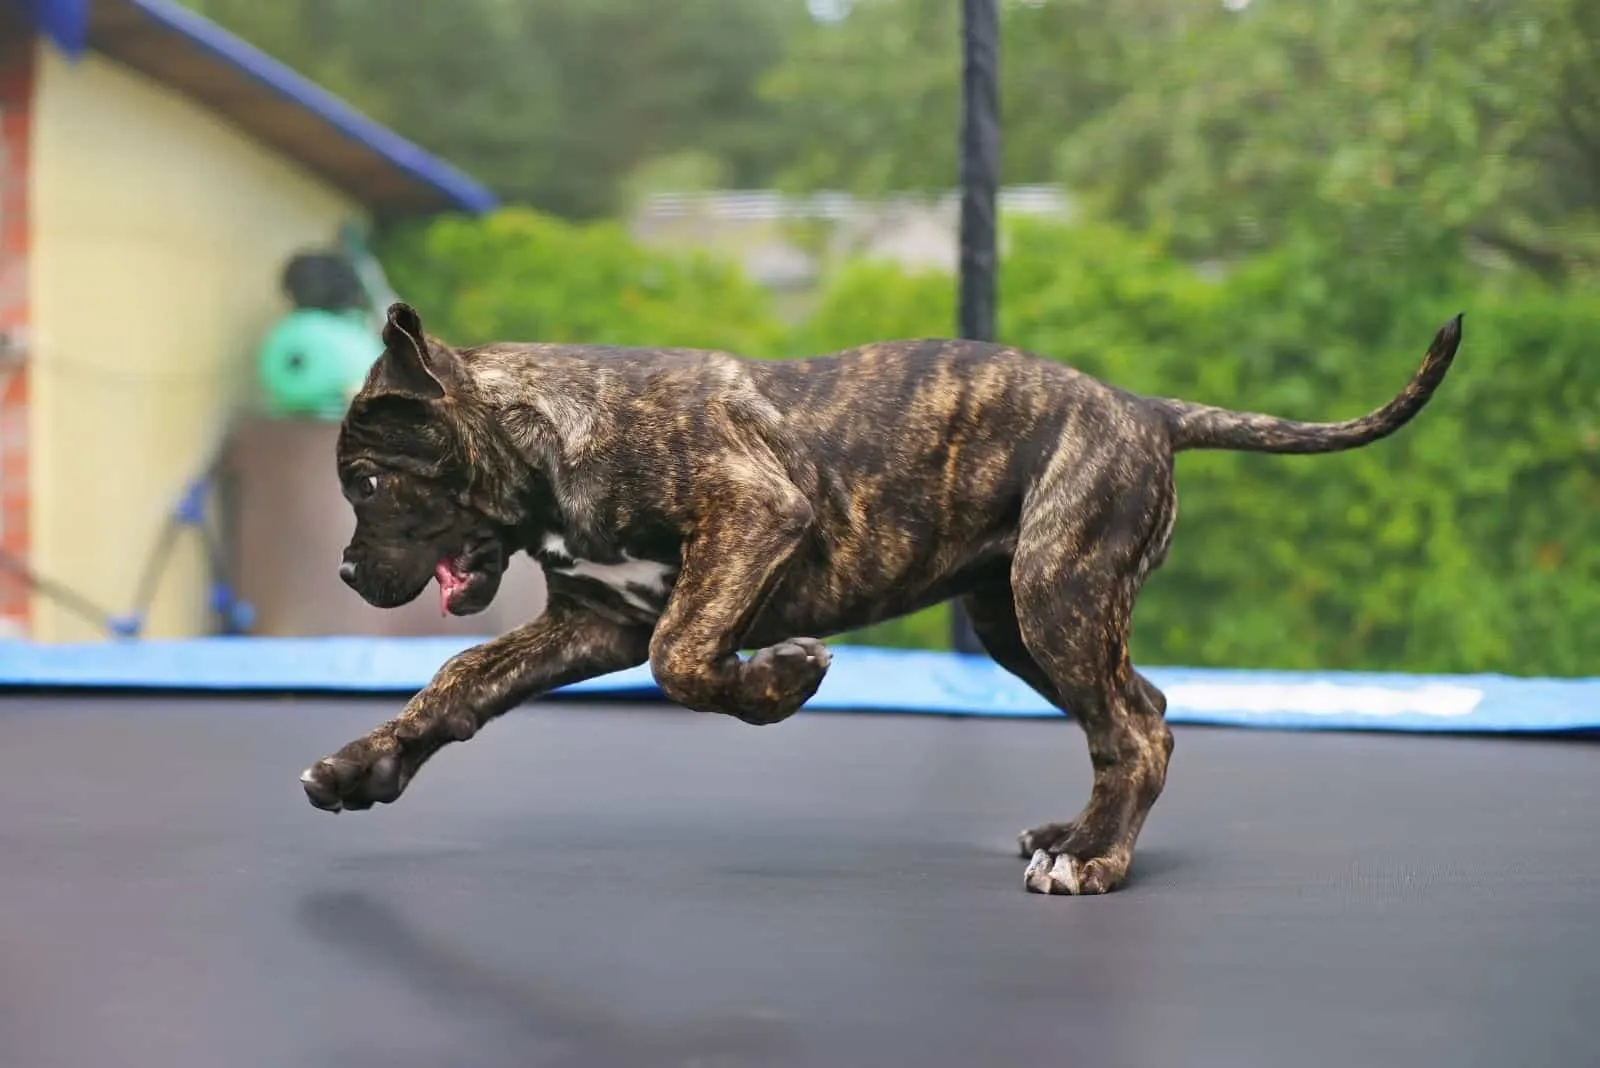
[[409, 366]]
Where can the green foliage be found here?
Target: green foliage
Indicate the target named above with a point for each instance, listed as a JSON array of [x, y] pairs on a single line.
[[865, 300], [520, 274], [1376, 123], [872, 104], [551, 103], [1371, 123]]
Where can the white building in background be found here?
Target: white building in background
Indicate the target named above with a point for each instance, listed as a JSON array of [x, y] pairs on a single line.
[[761, 229]]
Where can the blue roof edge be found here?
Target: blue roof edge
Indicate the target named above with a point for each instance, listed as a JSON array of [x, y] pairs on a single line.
[[66, 23]]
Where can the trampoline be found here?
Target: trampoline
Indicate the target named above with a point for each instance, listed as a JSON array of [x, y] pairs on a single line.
[[593, 884]]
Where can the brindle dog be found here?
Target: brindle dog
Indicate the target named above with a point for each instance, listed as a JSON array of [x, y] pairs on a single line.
[[688, 505]]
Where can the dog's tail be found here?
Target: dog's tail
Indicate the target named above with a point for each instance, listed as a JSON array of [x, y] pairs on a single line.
[[1200, 426]]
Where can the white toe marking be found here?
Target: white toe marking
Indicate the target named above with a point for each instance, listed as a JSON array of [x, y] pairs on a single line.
[[1065, 872], [1037, 877], [307, 777], [1047, 874]]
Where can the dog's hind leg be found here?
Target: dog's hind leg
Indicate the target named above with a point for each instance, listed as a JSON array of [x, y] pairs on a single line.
[[566, 644], [993, 615], [1089, 536]]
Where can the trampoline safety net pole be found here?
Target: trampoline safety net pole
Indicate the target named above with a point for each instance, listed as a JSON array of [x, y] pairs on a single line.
[[980, 181]]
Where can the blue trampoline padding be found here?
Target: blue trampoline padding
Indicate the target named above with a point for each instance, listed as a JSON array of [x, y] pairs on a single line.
[[862, 679]]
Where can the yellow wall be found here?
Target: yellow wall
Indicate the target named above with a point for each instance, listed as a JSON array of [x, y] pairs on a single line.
[[158, 236]]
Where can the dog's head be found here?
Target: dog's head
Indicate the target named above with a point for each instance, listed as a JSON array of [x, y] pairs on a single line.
[[406, 456]]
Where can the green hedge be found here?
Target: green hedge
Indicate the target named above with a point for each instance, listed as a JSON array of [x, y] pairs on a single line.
[[522, 274], [1468, 542]]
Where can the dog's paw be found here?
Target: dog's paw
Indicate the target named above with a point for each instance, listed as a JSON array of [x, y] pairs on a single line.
[[1051, 837], [367, 772], [1065, 874], [777, 680]]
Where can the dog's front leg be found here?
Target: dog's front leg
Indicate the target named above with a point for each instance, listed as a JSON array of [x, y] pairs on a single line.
[[730, 569], [564, 645]]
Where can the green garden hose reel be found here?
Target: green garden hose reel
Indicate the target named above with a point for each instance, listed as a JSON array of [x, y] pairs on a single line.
[[314, 359], [312, 362]]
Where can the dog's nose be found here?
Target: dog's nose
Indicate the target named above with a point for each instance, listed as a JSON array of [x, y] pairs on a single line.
[[347, 571]]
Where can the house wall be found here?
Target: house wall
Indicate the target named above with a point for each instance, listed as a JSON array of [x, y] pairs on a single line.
[[16, 105], [158, 235]]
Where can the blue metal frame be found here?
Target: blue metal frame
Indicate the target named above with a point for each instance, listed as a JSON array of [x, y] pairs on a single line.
[[65, 23]]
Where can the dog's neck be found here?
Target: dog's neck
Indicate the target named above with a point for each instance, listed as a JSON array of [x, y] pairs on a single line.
[[543, 429]]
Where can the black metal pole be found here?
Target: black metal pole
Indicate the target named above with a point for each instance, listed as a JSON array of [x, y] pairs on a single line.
[[980, 183]]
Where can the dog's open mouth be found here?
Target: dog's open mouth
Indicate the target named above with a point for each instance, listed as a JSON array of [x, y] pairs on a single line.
[[454, 579], [464, 578]]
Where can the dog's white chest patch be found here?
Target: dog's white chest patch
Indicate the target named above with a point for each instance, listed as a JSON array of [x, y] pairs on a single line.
[[633, 580]]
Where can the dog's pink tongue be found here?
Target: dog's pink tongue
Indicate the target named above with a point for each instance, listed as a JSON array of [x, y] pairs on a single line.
[[449, 583]]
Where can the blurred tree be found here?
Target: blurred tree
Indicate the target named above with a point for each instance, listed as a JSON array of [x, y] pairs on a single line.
[[1374, 123], [552, 103], [520, 274], [1228, 126], [868, 102], [872, 102], [1225, 125]]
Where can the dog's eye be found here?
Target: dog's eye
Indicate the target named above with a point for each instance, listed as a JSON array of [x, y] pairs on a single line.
[[366, 487]]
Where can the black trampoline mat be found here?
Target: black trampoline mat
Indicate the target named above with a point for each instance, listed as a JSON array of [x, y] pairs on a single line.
[[592, 886]]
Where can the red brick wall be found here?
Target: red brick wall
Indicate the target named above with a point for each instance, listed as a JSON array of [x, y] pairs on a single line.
[[16, 99]]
